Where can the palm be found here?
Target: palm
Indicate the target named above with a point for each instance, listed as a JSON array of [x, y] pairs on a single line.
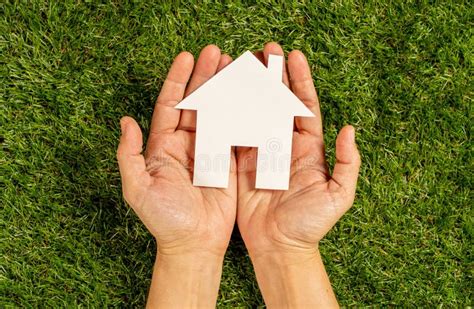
[[298, 218], [180, 216], [192, 214]]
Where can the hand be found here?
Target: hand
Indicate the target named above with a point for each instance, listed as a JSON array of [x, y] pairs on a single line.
[[189, 223], [285, 227]]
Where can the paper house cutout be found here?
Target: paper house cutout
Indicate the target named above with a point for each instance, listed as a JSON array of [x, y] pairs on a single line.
[[245, 104]]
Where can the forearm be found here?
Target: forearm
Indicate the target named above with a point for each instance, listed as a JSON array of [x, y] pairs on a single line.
[[185, 281], [294, 281]]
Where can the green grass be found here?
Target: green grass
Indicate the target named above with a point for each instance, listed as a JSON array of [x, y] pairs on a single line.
[[401, 73]]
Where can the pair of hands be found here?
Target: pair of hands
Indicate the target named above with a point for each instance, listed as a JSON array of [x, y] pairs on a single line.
[[196, 222]]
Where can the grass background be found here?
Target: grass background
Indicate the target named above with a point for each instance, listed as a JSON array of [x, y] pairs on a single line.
[[401, 73]]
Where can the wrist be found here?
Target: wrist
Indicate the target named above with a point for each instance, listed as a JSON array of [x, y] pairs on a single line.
[[193, 248], [193, 262], [284, 262], [293, 279], [283, 254], [188, 280]]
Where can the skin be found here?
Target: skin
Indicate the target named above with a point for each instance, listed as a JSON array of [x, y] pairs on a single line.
[[282, 229], [193, 225]]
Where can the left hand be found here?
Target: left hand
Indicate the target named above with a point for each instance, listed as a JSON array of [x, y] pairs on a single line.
[[192, 225], [183, 218]]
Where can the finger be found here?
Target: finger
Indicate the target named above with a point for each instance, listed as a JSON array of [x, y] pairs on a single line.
[[206, 67], [273, 48], [259, 55], [232, 187], [246, 169], [346, 170], [165, 116], [302, 86], [135, 178], [223, 62]]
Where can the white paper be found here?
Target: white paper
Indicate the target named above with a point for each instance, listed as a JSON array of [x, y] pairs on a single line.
[[245, 104]]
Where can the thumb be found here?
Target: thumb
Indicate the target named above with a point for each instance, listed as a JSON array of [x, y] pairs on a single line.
[[346, 170], [135, 178]]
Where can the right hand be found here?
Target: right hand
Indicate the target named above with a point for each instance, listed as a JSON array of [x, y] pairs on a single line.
[[293, 222]]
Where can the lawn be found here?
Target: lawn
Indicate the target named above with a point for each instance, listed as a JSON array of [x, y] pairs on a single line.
[[400, 73]]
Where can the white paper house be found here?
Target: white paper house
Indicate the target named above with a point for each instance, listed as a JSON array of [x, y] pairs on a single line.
[[245, 104]]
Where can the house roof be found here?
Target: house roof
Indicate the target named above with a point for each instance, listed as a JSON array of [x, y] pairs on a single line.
[[246, 82]]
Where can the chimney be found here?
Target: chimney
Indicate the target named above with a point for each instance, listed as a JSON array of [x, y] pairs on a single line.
[[275, 67]]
